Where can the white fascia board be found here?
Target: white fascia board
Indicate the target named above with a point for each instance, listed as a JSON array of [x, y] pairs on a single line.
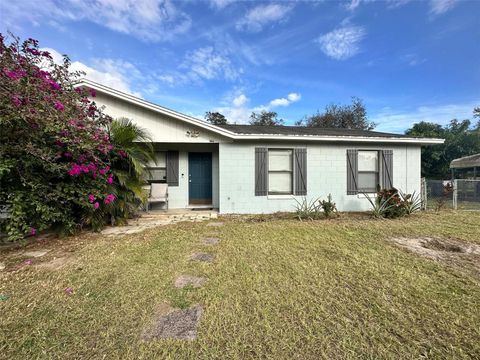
[[404, 140]]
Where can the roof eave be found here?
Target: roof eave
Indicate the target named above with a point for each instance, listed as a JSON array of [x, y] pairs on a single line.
[[403, 140], [135, 100]]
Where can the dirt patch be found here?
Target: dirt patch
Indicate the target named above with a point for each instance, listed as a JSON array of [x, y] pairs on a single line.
[[463, 256], [54, 264], [210, 241], [206, 257], [172, 323], [187, 280]]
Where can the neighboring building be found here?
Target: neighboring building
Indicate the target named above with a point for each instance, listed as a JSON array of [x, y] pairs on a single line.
[[467, 167], [263, 169]]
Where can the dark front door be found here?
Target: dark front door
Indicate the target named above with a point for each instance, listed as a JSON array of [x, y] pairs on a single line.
[[200, 178]]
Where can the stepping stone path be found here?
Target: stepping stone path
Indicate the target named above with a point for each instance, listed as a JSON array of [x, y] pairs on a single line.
[[206, 257], [187, 280], [175, 324], [215, 224], [210, 241], [36, 253]]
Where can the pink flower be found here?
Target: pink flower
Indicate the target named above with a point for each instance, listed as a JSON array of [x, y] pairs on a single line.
[[28, 262], [91, 198], [33, 231], [67, 154], [104, 170], [96, 205], [122, 153], [16, 100], [15, 74], [110, 179], [53, 85], [59, 106], [110, 198], [93, 93], [68, 291], [75, 170]]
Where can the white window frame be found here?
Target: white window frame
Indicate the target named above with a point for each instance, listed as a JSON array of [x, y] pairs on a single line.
[[292, 177], [374, 189]]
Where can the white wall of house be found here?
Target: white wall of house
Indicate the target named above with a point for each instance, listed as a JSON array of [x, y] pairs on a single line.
[[326, 174], [162, 128]]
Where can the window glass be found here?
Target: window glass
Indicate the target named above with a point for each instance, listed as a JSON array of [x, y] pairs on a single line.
[[157, 172], [367, 181], [280, 182], [280, 160], [368, 161]]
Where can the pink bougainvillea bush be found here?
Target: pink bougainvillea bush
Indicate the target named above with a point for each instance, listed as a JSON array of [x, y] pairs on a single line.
[[55, 149]]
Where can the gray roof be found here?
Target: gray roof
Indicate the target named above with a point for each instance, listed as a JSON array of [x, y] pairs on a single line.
[[303, 130], [466, 162]]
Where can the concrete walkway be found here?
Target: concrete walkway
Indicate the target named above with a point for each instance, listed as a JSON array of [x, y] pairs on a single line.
[[160, 218]]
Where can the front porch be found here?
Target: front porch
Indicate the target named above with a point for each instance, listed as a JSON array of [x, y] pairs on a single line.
[[191, 172]]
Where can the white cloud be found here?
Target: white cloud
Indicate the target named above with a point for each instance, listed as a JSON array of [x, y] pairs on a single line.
[[202, 64], [237, 111], [291, 98], [258, 17], [353, 5], [438, 7], [150, 20], [240, 100], [399, 120], [220, 4], [413, 59], [342, 43], [113, 73], [294, 97]]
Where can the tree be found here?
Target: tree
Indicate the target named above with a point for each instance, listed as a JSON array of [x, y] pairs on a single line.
[[353, 116], [215, 118], [265, 118], [460, 140], [59, 166]]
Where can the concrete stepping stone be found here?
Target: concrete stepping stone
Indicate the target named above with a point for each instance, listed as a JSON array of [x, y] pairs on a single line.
[[187, 280], [210, 241], [206, 257], [175, 324], [36, 253], [215, 224]]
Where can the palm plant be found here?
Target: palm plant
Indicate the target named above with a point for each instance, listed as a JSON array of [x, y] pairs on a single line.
[[134, 150]]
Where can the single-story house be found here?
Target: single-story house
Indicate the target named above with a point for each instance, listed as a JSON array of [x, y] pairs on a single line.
[[265, 169]]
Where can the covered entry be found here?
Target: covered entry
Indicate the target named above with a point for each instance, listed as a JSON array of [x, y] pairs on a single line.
[[200, 178]]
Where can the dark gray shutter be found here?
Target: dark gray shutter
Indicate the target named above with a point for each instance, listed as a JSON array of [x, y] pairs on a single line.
[[172, 168], [387, 169], [352, 171], [300, 171], [261, 171]]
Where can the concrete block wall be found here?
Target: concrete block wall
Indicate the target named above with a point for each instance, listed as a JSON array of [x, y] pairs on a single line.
[[327, 174]]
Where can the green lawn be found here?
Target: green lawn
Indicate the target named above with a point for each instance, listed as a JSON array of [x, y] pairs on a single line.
[[279, 289]]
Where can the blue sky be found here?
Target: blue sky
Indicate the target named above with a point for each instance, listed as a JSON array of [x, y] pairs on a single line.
[[408, 60]]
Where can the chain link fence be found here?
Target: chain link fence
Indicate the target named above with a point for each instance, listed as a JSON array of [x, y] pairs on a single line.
[[458, 194]]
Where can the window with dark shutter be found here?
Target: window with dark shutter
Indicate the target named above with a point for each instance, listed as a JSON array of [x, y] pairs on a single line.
[[261, 171], [300, 171], [172, 168]]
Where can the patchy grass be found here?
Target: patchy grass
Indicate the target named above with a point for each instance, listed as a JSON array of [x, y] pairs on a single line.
[[280, 289]]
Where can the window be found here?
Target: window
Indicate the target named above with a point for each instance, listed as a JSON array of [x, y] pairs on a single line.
[[280, 171], [368, 174], [157, 172]]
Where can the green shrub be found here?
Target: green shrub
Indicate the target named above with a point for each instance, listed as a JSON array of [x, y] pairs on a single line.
[[328, 206]]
